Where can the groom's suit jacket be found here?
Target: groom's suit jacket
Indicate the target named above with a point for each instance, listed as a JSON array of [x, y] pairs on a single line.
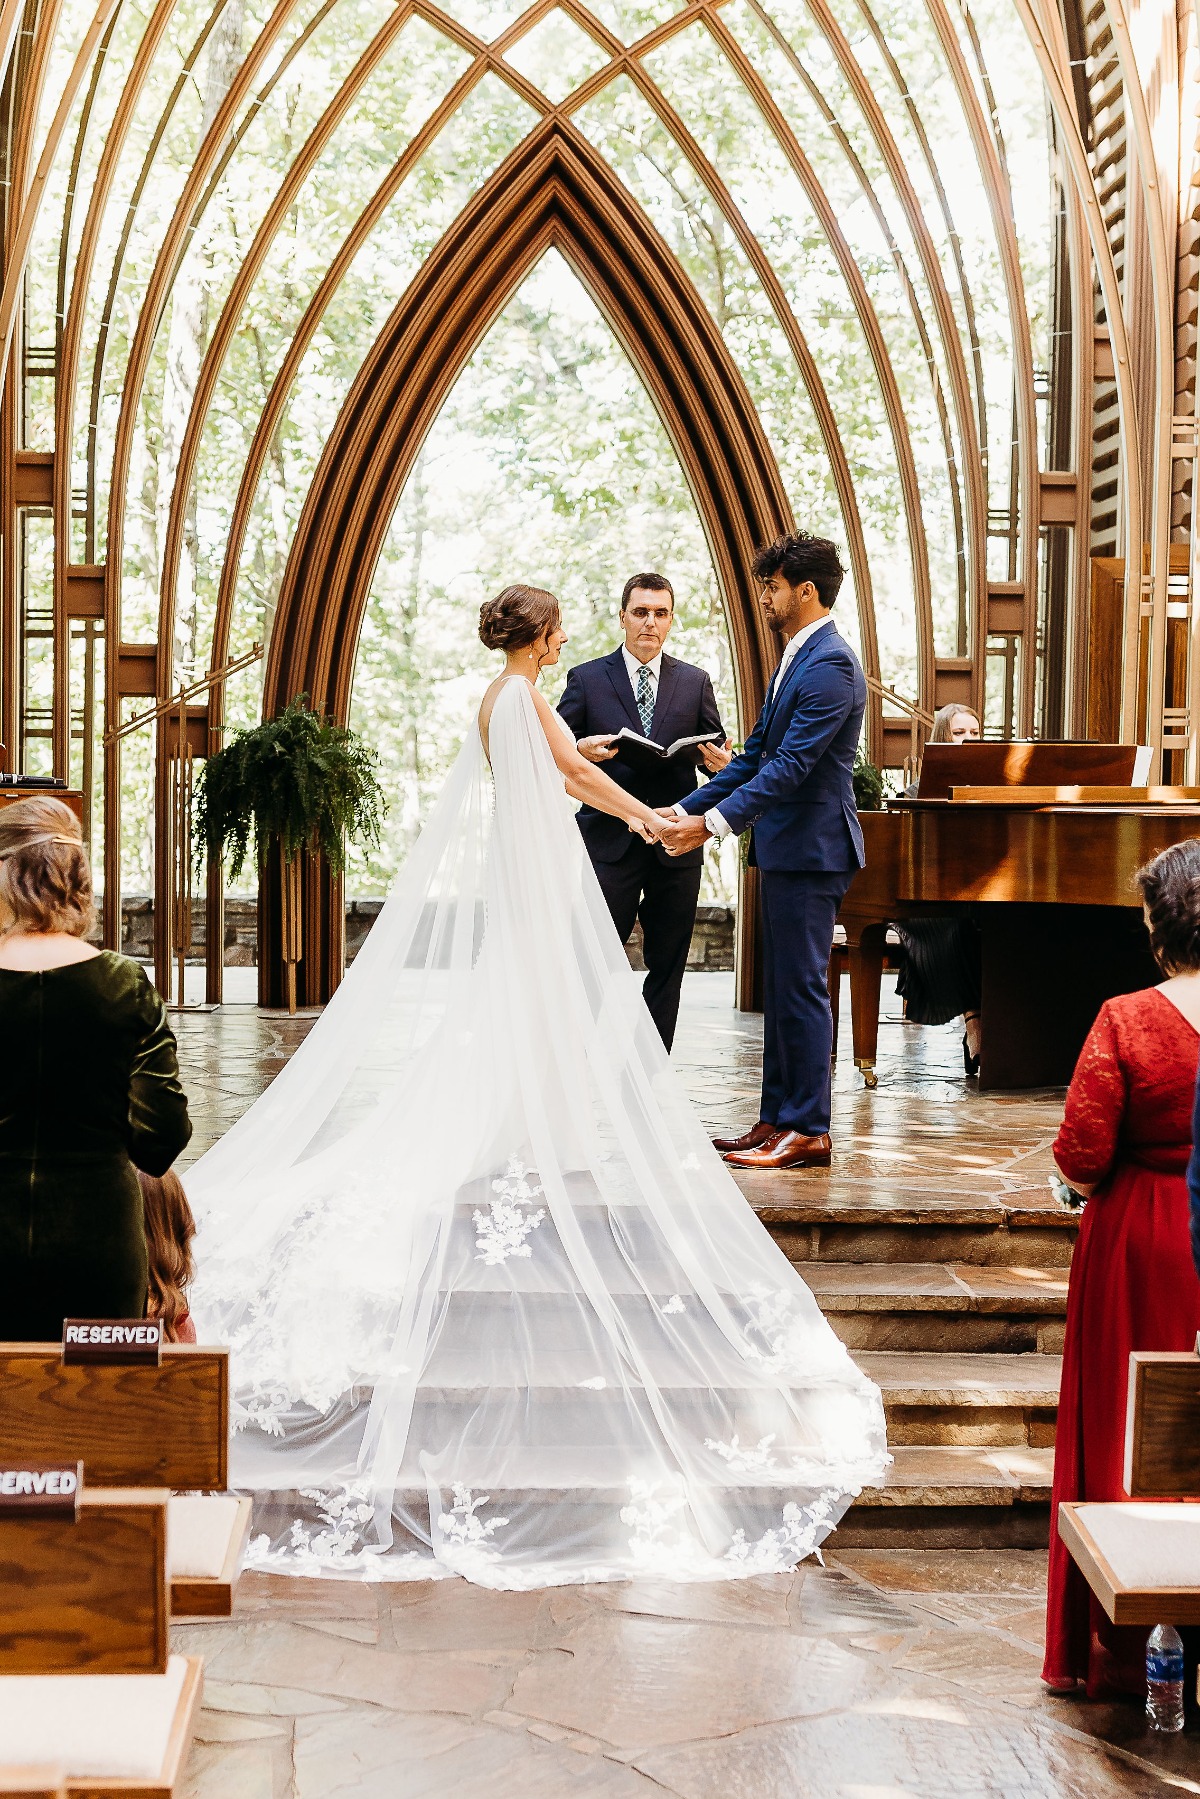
[[598, 700], [792, 784]]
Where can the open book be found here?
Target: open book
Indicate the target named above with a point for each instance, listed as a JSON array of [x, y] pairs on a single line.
[[627, 739]]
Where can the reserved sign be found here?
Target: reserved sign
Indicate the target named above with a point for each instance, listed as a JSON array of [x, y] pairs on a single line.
[[112, 1340], [46, 1491]]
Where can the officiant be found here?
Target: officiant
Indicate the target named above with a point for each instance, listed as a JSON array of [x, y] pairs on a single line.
[[640, 689]]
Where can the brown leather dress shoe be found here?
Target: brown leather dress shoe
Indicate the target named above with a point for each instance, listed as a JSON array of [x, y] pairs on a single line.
[[754, 1138], [786, 1149]]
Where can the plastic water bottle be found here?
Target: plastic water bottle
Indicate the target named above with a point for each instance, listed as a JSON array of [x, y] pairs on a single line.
[[1164, 1678]]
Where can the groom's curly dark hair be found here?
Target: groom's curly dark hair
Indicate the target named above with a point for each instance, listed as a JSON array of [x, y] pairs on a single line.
[[802, 557]]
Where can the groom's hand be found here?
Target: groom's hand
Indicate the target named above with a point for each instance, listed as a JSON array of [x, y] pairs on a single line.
[[597, 749], [682, 835]]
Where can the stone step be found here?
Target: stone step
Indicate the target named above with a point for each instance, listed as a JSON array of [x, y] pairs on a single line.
[[845, 1221], [980, 1401], [953, 1306], [952, 1496]]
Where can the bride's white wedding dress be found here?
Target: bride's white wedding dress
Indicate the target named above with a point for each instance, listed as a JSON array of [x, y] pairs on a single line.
[[495, 1305]]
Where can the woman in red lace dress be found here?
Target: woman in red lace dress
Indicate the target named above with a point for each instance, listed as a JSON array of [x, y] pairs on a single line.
[[1124, 1143]]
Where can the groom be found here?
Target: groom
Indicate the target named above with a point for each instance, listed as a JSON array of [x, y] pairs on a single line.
[[792, 788], [639, 688]]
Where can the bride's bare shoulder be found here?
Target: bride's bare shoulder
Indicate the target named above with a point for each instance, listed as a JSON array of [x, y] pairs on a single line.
[[488, 703]]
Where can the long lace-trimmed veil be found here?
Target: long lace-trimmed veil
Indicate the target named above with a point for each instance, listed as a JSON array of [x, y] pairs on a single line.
[[495, 1306]]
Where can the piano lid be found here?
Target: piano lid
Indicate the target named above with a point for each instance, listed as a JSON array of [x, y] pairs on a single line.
[[949, 766]]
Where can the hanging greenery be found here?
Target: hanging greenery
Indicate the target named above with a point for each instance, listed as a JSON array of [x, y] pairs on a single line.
[[298, 780]]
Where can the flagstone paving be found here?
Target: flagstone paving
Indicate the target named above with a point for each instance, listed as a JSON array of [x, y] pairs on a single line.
[[906, 1665]]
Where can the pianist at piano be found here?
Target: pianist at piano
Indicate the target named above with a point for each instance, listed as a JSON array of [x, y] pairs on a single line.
[[955, 724]]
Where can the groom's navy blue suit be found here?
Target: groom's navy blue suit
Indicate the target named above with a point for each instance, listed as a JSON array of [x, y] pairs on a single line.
[[792, 787]]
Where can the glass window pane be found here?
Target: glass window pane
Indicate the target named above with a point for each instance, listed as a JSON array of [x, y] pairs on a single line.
[[721, 113], [546, 464], [488, 125], [234, 210], [159, 148], [851, 170], [621, 125], [389, 109]]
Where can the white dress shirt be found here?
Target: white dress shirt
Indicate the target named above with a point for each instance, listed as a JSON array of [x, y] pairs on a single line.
[[712, 818], [634, 668]]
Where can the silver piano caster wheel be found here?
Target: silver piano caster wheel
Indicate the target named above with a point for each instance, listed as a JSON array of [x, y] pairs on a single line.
[[870, 1078]]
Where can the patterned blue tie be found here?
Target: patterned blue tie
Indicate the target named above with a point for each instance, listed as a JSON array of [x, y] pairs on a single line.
[[645, 698]]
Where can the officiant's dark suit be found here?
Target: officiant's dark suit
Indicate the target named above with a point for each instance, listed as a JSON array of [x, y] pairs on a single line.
[[639, 880]]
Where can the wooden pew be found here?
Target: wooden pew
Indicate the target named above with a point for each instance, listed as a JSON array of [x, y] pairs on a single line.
[[85, 1674], [137, 1425], [88, 1594], [1141, 1556], [1162, 1427], [129, 1424]]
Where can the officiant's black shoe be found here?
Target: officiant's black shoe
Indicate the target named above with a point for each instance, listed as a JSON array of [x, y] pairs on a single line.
[[754, 1138], [786, 1149]]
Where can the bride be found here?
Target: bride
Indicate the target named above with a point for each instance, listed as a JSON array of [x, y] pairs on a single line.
[[495, 1306]]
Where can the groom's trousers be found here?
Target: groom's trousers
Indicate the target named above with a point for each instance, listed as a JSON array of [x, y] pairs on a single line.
[[798, 916]]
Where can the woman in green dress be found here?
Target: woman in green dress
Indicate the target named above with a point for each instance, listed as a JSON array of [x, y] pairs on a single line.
[[89, 1089]]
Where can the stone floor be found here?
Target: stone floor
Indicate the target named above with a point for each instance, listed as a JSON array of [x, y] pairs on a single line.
[[888, 1672]]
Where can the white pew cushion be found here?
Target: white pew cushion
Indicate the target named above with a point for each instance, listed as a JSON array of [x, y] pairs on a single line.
[[1146, 1545], [92, 1726], [199, 1526]]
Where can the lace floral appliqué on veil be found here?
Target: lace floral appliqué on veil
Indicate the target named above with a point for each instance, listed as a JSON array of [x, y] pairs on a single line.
[[503, 1228]]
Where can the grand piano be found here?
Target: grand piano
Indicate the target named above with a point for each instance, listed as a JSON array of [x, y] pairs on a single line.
[[1045, 866]]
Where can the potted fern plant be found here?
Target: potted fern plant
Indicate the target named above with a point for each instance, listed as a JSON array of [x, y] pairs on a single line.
[[868, 784], [299, 781]]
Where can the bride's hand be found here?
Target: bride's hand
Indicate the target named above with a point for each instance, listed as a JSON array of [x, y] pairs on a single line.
[[648, 831]]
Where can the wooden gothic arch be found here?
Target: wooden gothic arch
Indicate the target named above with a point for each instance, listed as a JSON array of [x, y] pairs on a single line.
[[554, 191]]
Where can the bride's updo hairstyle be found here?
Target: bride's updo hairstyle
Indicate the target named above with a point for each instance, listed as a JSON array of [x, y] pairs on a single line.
[[45, 880], [518, 616]]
